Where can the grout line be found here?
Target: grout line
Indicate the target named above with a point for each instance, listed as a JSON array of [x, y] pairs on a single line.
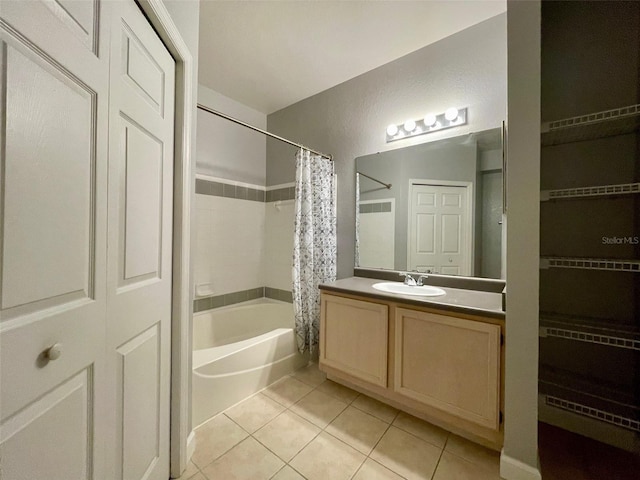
[[435, 470]]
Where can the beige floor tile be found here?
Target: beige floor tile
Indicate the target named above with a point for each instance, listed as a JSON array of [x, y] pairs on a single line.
[[198, 476], [287, 473], [358, 429], [287, 434], [452, 467], [421, 429], [190, 471], [326, 458], [254, 412], [287, 391], [342, 393], [473, 452], [378, 409], [372, 470], [214, 438], [310, 375], [406, 454], [319, 408], [246, 461]]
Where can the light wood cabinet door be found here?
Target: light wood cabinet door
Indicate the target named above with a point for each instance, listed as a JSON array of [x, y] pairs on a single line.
[[449, 363], [354, 336]]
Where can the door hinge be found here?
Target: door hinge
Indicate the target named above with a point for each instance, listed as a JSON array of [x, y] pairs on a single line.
[[501, 418]]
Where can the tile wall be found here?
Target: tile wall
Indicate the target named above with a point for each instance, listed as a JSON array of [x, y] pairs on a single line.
[[244, 242]]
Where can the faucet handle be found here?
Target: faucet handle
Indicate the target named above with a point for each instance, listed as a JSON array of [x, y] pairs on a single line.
[[420, 279], [408, 279]]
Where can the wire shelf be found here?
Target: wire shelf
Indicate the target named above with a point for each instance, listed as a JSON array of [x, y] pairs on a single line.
[[618, 121], [589, 330], [595, 191], [589, 392], [618, 265], [585, 410]]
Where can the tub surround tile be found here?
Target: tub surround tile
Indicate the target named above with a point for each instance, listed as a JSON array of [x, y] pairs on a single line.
[[242, 192], [246, 461], [452, 467], [406, 455], [472, 452], [421, 429], [326, 457], [216, 301], [287, 473], [215, 438], [254, 412], [358, 429], [287, 434], [310, 375], [380, 410], [372, 470], [319, 408], [342, 393], [287, 391]]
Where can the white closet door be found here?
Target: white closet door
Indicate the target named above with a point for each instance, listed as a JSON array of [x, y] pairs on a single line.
[[54, 94], [439, 230], [139, 238]]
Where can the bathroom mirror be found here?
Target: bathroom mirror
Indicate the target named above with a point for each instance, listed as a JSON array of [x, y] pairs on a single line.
[[434, 207]]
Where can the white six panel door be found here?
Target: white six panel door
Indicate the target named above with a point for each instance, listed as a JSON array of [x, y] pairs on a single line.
[[139, 255], [439, 230], [88, 96], [55, 86]]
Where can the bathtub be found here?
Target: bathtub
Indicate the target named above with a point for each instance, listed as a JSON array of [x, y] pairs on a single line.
[[239, 350]]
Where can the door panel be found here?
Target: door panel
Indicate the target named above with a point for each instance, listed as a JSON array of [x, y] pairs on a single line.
[[54, 90], [439, 230], [139, 232], [58, 427]]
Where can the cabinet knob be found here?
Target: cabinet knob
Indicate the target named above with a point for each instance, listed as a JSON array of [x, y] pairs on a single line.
[[53, 352]]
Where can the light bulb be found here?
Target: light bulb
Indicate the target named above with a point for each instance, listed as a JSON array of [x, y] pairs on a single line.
[[409, 126], [451, 114], [430, 120], [392, 130]]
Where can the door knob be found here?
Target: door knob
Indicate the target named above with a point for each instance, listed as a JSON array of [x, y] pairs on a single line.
[[53, 352]]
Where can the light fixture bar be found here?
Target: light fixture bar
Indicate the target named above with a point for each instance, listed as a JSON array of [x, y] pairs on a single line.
[[430, 123]]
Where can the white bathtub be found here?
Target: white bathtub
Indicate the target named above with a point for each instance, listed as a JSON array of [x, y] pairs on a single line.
[[239, 350]]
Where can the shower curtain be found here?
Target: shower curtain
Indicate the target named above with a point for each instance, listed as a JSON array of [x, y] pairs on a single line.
[[314, 243]]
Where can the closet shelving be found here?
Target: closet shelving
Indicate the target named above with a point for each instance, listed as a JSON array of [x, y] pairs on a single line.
[[591, 330], [584, 396], [592, 126], [567, 391], [613, 264]]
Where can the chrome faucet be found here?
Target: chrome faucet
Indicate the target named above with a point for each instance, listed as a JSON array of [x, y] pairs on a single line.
[[408, 279], [420, 280]]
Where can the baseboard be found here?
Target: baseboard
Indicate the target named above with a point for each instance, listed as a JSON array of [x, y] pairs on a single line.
[[512, 469], [191, 445]]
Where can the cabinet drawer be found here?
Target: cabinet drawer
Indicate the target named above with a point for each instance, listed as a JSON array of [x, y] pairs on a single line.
[[354, 337], [449, 363]]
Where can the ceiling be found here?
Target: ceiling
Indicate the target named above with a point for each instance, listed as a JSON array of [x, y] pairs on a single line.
[[271, 54]]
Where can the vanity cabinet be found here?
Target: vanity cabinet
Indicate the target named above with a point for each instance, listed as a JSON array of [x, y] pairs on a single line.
[[442, 366], [354, 337], [452, 364]]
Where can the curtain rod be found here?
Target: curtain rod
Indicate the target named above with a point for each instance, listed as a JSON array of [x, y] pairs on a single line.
[[264, 132], [388, 185]]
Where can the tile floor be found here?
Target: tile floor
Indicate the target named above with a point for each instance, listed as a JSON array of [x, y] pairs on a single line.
[[307, 427]]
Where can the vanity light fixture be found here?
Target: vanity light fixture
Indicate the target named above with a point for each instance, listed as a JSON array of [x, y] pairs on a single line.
[[431, 122]]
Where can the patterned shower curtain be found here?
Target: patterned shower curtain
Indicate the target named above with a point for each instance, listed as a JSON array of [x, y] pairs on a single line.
[[314, 243]]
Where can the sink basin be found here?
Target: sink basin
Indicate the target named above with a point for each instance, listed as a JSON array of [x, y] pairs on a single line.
[[402, 289]]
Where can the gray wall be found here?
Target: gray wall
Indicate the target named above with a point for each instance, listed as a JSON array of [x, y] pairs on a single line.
[[226, 150], [349, 120], [523, 240], [451, 161]]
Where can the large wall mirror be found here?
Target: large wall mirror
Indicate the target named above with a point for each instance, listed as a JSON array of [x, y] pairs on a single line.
[[435, 207]]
